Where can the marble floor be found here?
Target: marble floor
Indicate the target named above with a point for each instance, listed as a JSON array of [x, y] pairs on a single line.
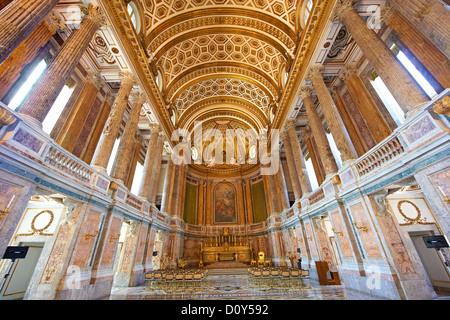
[[238, 287]]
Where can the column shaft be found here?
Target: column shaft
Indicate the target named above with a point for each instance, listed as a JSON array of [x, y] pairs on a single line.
[[293, 175], [148, 163], [154, 180], [11, 68], [248, 194], [112, 126], [18, 21], [331, 115], [200, 204], [298, 157], [431, 57], [318, 132], [122, 161], [45, 92], [168, 182], [430, 17], [402, 86]]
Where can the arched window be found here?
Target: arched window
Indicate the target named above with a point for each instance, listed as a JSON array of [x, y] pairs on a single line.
[[305, 12], [308, 9], [134, 16]]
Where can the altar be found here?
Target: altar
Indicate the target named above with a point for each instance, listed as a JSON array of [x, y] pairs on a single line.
[[226, 247]]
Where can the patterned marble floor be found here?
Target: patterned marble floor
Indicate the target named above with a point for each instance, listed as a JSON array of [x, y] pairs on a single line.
[[238, 287]]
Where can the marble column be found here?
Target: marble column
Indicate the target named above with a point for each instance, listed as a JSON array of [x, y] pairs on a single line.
[[175, 191], [182, 192], [248, 195], [112, 126], [423, 49], [208, 212], [331, 115], [122, 161], [168, 183], [318, 132], [44, 93], [430, 17], [349, 126], [293, 175], [240, 197], [402, 86], [148, 162], [19, 20], [200, 203], [298, 157], [368, 109], [25, 53], [311, 146], [154, 181], [74, 124], [282, 188]]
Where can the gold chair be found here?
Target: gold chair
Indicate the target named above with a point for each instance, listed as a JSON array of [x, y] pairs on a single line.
[[260, 258]]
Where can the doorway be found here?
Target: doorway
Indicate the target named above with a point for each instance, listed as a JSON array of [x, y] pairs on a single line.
[[14, 286], [433, 262]]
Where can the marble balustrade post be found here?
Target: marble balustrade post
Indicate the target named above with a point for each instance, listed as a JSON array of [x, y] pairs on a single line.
[[298, 157], [112, 126], [331, 115], [402, 86], [44, 93], [18, 20], [148, 162], [318, 132], [122, 161]]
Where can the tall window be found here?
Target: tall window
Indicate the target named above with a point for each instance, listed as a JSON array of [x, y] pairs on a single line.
[[18, 98], [308, 9], [137, 178], [388, 99], [113, 156], [311, 173], [334, 150], [134, 16], [423, 83], [56, 110]]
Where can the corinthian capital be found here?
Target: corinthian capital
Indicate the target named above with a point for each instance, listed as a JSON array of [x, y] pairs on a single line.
[[139, 98], [305, 92], [127, 77], [347, 72], [94, 13], [342, 7], [315, 71]]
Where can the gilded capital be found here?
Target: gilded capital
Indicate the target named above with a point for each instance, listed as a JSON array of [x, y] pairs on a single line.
[[95, 14]]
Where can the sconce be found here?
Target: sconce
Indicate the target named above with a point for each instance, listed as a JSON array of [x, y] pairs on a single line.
[[361, 228], [114, 239], [89, 236], [6, 210], [338, 233]]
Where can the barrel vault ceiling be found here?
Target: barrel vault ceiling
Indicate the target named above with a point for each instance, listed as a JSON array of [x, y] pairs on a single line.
[[216, 60]]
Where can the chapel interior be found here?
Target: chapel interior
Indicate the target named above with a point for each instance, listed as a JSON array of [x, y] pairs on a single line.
[[117, 175]]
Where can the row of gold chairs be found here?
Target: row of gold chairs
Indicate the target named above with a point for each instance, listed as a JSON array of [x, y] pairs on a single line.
[[175, 280], [275, 276]]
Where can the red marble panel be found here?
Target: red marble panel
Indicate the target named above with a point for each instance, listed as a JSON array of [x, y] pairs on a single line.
[[111, 242], [342, 239], [87, 238], [368, 238]]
